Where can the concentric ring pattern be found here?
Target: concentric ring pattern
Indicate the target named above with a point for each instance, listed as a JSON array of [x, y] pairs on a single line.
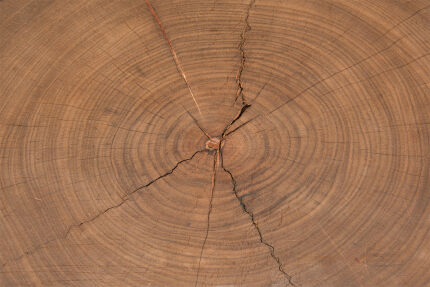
[[318, 115]]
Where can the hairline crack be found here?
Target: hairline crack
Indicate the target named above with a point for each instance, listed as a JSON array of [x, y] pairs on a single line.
[[216, 155]]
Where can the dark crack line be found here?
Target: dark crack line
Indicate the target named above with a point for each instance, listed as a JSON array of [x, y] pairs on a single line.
[[260, 91], [244, 108], [369, 78], [403, 21], [127, 196], [209, 215], [124, 200], [237, 117], [239, 92], [335, 74], [254, 223], [241, 125], [295, 97], [360, 61], [340, 71]]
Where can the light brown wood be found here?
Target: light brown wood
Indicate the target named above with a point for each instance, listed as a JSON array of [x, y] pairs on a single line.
[[215, 143]]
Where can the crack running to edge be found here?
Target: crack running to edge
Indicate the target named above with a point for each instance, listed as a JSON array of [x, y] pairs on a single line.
[[124, 199], [239, 92], [216, 159], [244, 107], [254, 223], [248, 27], [300, 93]]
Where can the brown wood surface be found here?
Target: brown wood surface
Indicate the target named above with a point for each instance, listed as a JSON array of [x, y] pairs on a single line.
[[215, 143]]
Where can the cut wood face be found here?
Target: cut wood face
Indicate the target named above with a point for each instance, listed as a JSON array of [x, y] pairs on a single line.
[[215, 143]]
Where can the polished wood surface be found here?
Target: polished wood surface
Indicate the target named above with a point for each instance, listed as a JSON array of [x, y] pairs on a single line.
[[215, 143]]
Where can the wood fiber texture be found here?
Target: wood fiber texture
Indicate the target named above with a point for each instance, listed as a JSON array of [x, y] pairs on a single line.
[[215, 143]]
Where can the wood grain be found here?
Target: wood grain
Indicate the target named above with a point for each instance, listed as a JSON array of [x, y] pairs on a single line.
[[215, 143]]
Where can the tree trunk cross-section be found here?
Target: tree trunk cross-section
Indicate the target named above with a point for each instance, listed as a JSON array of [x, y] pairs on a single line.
[[215, 143]]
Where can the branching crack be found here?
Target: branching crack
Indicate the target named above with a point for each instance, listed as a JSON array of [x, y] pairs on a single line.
[[240, 126], [239, 92], [209, 214], [238, 115], [302, 92], [124, 198], [218, 156], [254, 223]]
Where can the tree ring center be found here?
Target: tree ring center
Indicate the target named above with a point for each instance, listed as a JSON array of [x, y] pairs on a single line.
[[213, 143]]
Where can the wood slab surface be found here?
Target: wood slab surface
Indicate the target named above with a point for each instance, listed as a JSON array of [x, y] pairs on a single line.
[[215, 143]]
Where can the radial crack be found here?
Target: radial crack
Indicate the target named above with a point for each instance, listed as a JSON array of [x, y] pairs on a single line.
[[240, 126], [239, 92], [254, 223], [238, 115], [209, 214], [172, 50], [299, 94], [127, 196], [124, 199]]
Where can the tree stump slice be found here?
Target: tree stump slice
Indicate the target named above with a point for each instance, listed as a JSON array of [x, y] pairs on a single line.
[[215, 143]]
